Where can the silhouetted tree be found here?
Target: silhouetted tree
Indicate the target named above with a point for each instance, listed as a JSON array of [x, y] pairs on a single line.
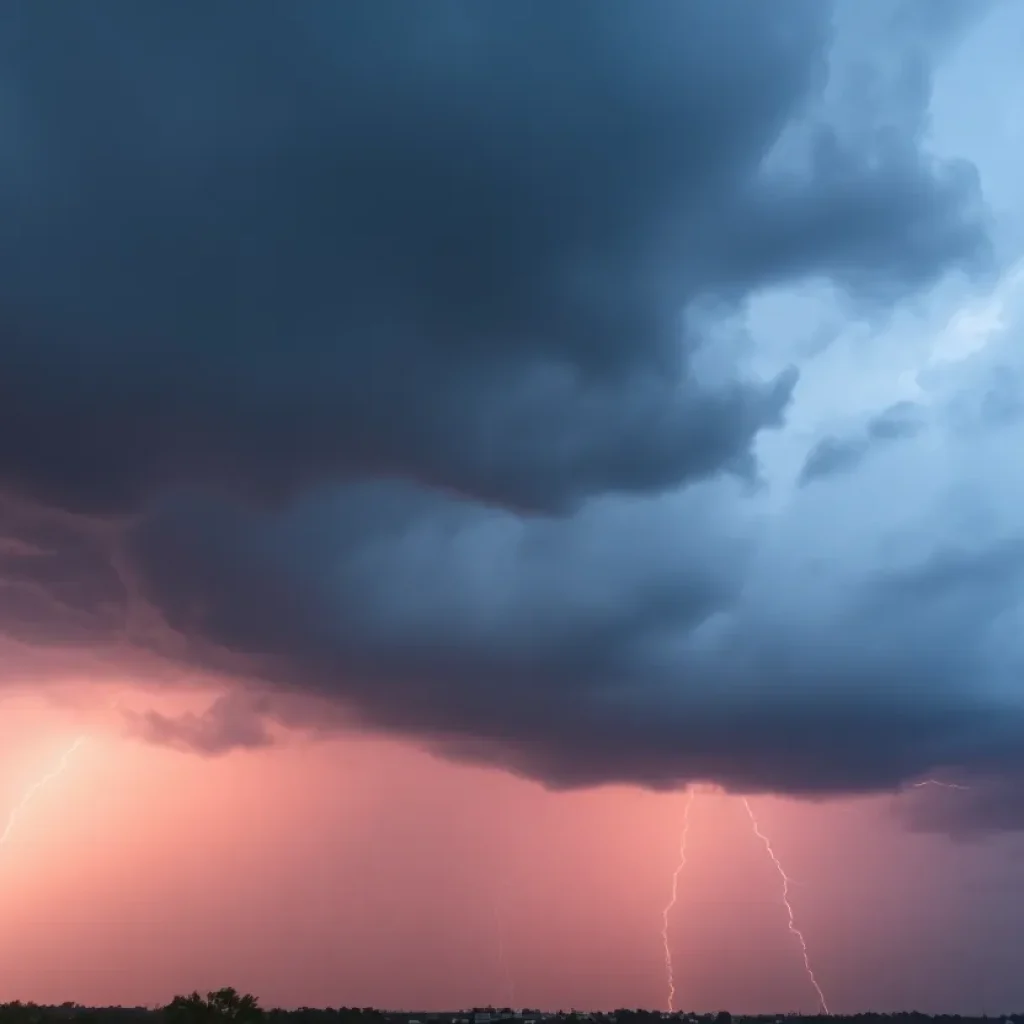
[[22, 1013], [224, 1005]]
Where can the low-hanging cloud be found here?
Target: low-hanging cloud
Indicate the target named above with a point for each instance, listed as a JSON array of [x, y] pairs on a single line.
[[370, 333], [229, 723]]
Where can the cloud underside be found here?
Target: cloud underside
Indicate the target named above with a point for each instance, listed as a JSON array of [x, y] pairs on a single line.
[[360, 353]]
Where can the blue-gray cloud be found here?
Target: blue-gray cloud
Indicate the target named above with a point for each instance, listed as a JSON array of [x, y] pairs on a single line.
[[370, 326], [270, 247]]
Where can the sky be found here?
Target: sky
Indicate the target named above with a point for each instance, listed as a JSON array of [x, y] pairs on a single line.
[[431, 439]]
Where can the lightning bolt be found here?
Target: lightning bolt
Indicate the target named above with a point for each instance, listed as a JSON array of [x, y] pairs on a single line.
[[789, 907], [33, 790], [665, 914], [940, 784]]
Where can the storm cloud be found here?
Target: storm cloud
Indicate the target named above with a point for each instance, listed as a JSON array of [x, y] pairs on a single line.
[[372, 347], [456, 244]]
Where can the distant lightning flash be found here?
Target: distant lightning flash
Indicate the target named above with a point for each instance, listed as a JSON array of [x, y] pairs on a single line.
[[684, 835], [940, 784], [33, 790], [789, 908]]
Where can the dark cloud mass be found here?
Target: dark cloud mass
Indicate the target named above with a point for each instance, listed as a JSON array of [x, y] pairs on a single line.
[[371, 323], [268, 247]]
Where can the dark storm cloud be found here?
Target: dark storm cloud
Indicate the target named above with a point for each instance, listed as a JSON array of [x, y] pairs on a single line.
[[833, 455], [614, 645], [450, 243], [56, 582], [329, 300]]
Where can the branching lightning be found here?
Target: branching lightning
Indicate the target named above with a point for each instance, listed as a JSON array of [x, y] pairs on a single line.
[[665, 914], [940, 784], [789, 907], [33, 790]]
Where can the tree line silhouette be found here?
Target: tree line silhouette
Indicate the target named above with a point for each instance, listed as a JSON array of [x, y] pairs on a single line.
[[228, 1006], [225, 1006]]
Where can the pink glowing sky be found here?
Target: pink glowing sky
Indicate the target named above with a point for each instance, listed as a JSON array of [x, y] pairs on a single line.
[[365, 872]]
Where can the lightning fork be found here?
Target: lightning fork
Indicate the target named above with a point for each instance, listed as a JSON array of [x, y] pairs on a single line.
[[789, 907], [666, 912], [30, 793]]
